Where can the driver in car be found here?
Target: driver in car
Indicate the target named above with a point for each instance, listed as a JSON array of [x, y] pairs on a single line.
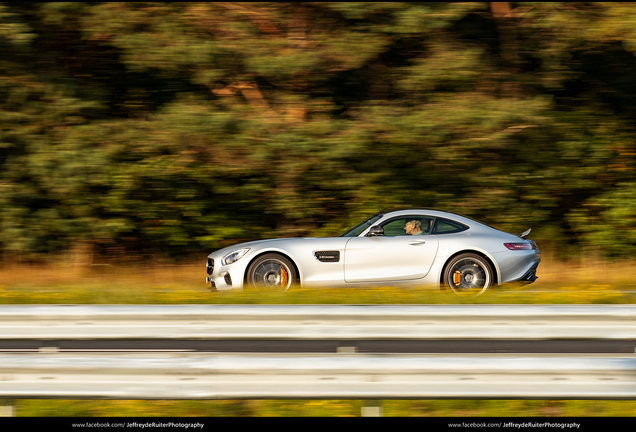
[[413, 227]]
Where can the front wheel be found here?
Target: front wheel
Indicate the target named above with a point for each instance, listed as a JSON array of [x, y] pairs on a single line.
[[468, 275], [271, 272]]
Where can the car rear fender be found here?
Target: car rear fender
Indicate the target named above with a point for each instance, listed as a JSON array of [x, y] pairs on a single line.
[[482, 254]]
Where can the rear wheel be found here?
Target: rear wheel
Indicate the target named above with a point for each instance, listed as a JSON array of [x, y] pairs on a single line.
[[271, 272], [468, 275]]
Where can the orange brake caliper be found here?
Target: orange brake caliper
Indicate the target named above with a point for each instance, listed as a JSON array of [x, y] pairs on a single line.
[[283, 276], [457, 277]]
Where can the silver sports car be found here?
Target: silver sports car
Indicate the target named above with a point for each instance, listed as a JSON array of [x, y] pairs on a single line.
[[412, 247]]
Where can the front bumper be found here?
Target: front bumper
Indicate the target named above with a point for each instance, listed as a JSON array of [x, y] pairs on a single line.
[[225, 277]]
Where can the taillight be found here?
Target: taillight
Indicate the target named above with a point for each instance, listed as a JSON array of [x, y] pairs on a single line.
[[518, 246]]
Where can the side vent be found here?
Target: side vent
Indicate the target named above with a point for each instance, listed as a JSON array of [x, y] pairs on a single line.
[[327, 256]]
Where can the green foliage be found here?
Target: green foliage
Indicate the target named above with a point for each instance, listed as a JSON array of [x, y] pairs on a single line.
[[324, 408], [12, 29], [171, 128]]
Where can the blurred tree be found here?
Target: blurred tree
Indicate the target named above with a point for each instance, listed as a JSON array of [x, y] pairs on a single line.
[[170, 127]]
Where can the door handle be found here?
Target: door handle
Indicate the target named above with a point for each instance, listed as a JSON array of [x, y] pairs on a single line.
[[417, 243]]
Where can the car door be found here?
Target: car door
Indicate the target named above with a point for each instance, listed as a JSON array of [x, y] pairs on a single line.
[[395, 256]]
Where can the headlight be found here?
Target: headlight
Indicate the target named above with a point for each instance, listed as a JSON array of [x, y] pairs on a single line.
[[233, 257]]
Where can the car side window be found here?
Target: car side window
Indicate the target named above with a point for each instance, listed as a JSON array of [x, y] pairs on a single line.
[[395, 227], [445, 226]]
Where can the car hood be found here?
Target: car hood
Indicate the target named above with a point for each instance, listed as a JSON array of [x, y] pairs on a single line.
[[229, 249]]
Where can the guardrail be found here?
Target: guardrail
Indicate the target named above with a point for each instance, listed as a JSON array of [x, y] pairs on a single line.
[[314, 377], [318, 322], [230, 376]]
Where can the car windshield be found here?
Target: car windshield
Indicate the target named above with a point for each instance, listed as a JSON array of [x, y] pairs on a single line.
[[355, 230]]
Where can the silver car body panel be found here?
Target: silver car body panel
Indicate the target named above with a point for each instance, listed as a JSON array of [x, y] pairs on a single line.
[[386, 260], [383, 258]]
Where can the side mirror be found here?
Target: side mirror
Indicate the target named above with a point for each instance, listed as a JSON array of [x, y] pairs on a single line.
[[376, 230]]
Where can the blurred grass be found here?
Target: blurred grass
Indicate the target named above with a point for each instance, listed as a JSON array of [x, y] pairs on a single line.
[[325, 408], [585, 281]]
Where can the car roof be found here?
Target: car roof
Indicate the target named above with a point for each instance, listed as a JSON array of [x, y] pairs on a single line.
[[399, 209], [430, 210], [435, 212]]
